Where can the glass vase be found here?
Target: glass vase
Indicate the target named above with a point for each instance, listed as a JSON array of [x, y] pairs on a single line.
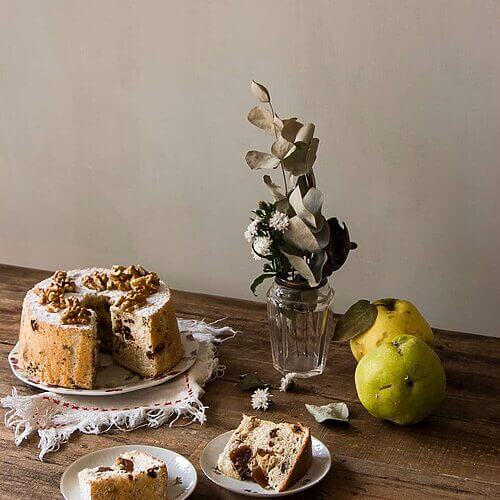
[[301, 324]]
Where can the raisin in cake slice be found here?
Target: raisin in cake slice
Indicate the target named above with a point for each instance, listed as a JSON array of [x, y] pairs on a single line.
[[273, 455], [134, 475]]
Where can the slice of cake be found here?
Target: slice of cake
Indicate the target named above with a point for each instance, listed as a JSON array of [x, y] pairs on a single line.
[[134, 475], [272, 455]]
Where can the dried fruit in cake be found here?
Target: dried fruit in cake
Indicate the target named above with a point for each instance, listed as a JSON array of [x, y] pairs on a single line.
[[272, 455], [133, 475]]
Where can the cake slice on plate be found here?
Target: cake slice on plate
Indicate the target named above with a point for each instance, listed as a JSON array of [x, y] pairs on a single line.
[[273, 455], [134, 475]]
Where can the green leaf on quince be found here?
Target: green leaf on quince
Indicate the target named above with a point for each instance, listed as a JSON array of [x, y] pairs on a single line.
[[357, 320], [330, 412]]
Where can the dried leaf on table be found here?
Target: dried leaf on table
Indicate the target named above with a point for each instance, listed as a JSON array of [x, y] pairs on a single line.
[[330, 412], [250, 381]]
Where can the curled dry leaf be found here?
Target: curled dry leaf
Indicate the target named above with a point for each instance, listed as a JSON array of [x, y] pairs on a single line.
[[311, 153], [260, 92], [301, 236], [295, 161], [333, 411], [290, 129], [308, 208], [259, 160], [262, 118], [305, 134], [276, 190], [296, 259], [281, 148]]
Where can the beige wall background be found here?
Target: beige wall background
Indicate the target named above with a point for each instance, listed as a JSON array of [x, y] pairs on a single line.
[[123, 132]]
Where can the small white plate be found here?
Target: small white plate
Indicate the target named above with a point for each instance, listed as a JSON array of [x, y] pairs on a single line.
[[182, 476], [320, 466], [111, 378]]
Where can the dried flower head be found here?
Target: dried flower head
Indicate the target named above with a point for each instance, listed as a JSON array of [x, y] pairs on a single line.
[[261, 247], [279, 222], [261, 399], [287, 381], [252, 230]]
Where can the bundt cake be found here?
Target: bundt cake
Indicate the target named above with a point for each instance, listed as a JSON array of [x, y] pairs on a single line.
[[68, 318]]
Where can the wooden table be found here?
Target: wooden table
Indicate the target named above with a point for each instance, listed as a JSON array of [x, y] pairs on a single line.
[[452, 453]]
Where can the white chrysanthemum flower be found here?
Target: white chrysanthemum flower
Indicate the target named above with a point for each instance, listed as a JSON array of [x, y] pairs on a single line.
[[251, 231], [279, 221], [260, 399], [262, 245], [287, 381]]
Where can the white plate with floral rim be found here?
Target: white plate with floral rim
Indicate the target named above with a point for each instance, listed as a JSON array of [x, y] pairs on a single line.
[[320, 466], [112, 378], [182, 477]]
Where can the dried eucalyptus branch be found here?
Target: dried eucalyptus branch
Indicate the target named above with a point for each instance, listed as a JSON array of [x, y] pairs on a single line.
[[291, 233]]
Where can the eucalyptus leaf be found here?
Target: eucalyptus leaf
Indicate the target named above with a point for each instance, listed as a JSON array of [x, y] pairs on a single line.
[[250, 381], [295, 161], [311, 153], [333, 411], [259, 160], [284, 207], [296, 259], [276, 190], [308, 208], [290, 129], [301, 236], [260, 92], [357, 319], [305, 134], [318, 260], [262, 118], [280, 123], [281, 148], [259, 280]]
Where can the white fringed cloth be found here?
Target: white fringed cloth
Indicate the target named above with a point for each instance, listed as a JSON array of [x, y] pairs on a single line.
[[55, 417]]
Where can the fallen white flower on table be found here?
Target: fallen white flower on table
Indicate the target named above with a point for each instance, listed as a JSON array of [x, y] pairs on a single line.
[[279, 221], [261, 399], [251, 231], [287, 381]]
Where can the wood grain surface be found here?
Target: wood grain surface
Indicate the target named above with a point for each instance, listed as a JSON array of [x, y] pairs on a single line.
[[453, 453]]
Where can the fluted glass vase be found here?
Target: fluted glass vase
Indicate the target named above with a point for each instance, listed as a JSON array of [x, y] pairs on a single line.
[[301, 322]]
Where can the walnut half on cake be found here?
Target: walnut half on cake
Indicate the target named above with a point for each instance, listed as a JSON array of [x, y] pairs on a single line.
[[272, 455], [134, 475]]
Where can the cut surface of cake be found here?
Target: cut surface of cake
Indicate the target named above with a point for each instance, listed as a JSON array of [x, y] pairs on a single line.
[[272, 455], [134, 475], [68, 318]]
